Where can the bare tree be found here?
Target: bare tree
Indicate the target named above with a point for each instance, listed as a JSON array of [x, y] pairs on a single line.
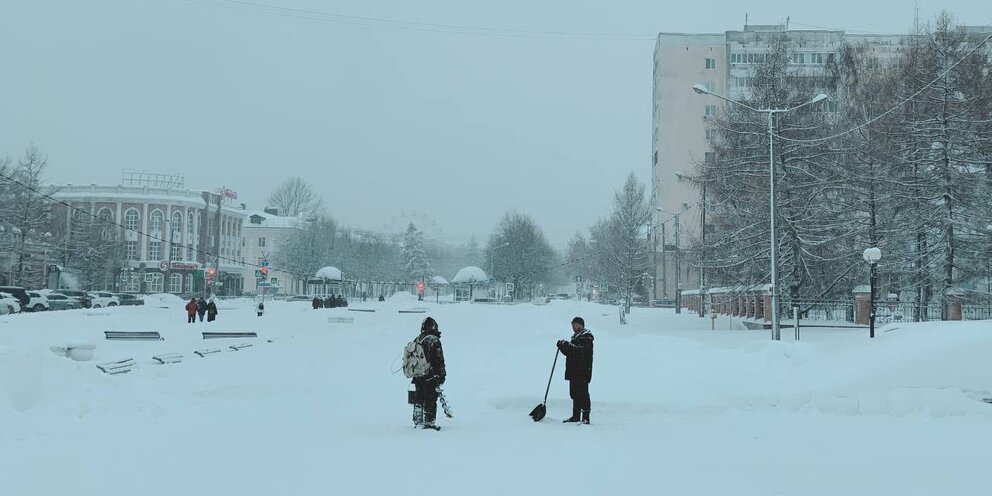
[[295, 196]]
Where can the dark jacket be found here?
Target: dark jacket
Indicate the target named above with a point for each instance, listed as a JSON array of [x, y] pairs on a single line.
[[201, 307], [578, 356], [431, 341], [211, 310]]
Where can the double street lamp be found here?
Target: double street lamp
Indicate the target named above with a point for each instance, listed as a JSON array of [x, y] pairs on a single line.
[[702, 90]]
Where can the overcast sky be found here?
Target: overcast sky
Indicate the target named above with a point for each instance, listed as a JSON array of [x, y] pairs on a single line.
[[385, 119]]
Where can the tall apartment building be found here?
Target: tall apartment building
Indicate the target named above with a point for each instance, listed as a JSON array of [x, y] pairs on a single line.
[[681, 138]]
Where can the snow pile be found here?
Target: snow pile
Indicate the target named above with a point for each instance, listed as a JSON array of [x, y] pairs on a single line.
[[329, 273], [469, 274], [164, 300]]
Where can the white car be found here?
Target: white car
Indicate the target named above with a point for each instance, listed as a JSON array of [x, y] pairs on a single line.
[[103, 299], [38, 302], [9, 304]]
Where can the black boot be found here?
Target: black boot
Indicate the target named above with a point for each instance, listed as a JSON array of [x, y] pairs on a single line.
[[574, 417], [585, 417]]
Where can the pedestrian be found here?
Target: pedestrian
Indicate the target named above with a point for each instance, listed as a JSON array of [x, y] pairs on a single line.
[[211, 310], [191, 311], [426, 392], [315, 303], [201, 307], [578, 369], [363, 296], [260, 308]]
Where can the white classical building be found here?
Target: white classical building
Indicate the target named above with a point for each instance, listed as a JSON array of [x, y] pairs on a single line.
[[170, 234], [264, 234]]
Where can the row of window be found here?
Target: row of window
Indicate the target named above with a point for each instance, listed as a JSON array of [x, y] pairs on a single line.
[[155, 283], [803, 58]]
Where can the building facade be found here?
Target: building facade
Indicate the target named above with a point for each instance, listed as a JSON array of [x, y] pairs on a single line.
[[170, 236], [264, 234], [682, 134]]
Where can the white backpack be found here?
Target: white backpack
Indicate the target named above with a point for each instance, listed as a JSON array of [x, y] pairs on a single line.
[[415, 363]]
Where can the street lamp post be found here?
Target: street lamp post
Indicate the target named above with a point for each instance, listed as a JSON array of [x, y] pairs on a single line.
[[702, 90], [872, 256]]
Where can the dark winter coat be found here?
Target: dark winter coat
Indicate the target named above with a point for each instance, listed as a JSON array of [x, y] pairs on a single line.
[[431, 342], [578, 356], [211, 311], [201, 307], [316, 303]]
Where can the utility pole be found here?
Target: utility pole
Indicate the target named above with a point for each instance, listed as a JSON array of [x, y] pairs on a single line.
[[217, 245], [678, 269], [702, 246]]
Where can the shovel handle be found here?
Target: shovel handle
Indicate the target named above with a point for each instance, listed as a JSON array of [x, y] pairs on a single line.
[[553, 365]]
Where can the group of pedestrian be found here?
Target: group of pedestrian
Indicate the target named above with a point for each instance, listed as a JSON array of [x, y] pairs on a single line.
[[200, 307], [427, 379], [332, 301]]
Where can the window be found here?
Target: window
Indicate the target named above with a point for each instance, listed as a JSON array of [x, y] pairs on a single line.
[[154, 250], [132, 284], [177, 225], [710, 85], [799, 58], [157, 218], [105, 215], [816, 58], [710, 134], [176, 252], [710, 63], [261, 242], [189, 283], [711, 111], [175, 283], [189, 227], [131, 250], [131, 219], [155, 283]]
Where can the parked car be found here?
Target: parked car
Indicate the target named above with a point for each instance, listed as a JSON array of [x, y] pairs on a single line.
[[9, 304], [17, 292], [38, 301], [84, 299], [58, 301], [100, 299], [128, 299], [300, 298]]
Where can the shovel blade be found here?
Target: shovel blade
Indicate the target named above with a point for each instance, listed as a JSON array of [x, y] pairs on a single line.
[[538, 412]]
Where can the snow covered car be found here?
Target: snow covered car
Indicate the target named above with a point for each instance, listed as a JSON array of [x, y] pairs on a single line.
[[9, 304], [38, 301], [100, 299], [128, 299], [82, 296], [58, 301]]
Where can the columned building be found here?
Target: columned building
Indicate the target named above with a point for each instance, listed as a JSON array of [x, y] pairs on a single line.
[[170, 235]]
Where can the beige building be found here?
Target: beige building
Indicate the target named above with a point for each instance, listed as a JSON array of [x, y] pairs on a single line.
[[264, 234], [723, 63]]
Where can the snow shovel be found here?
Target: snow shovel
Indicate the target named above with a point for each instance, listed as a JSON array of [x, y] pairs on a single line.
[[540, 410]]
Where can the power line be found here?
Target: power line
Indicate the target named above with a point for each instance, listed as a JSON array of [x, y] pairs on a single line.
[[896, 106], [385, 23]]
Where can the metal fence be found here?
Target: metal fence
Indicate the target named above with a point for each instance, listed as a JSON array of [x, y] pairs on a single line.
[[824, 310]]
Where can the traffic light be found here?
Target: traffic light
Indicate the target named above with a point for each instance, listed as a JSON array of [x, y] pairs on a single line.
[[265, 272], [420, 287], [211, 272]]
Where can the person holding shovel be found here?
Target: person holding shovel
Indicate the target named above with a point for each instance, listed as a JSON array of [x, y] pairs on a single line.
[[578, 369]]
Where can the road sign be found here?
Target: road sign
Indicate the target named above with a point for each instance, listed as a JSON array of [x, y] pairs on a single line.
[[149, 277], [274, 280], [509, 287], [258, 274], [163, 265]]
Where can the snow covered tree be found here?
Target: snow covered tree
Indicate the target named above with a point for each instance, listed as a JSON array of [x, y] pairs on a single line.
[[24, 210], [621, 243], [415, 262], [309, 248], [294, 197], [518, 252]]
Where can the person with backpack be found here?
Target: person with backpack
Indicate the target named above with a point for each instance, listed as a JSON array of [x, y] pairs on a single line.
[[191, 311], [260, 308], [578, 369], [423, 362]]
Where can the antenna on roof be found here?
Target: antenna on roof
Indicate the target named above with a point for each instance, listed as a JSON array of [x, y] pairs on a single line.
[[745, 21], [786, 23]]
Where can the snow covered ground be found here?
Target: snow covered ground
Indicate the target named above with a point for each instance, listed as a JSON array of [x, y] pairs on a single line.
[[314, 408]]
